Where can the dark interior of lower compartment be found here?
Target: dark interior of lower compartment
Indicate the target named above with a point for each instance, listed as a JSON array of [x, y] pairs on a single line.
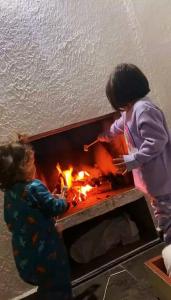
[[139, 213]]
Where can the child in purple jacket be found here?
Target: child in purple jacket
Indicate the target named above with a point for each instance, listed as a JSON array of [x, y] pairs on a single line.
[[149, 142]]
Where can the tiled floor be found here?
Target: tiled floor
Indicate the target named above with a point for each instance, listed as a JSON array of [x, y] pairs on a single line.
[[128, 281]]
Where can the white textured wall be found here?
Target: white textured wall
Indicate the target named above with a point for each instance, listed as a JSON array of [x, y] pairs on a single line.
[[154, 30], [55, 57]]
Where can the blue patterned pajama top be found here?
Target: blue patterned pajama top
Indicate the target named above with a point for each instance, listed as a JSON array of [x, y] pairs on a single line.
[[39, 253]]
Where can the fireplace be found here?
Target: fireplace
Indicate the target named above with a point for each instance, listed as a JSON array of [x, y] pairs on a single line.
[[90, 175], [95, 191]]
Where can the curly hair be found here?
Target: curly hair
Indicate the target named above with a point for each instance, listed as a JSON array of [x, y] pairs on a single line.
[[125, 85], [16, 164]]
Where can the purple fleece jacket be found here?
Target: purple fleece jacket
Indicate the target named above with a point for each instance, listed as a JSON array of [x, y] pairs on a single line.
[[149, 146]]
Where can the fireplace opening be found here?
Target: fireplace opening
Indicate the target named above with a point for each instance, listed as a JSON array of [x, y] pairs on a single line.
[[89, 175]]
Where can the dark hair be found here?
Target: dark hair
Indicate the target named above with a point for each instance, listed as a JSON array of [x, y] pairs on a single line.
[[16, 164], [126, 84]]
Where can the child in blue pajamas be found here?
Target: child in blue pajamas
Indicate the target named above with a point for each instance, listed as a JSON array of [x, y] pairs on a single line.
[[29, 211]]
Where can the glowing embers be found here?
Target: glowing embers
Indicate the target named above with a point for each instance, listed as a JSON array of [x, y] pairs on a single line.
[[78, 184], [83, 181]]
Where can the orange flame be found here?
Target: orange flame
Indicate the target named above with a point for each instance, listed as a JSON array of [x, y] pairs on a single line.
[[85, 189], [67, 179], [81, 175], [104, 160]]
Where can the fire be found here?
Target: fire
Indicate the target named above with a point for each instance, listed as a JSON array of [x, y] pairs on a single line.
[[81, 175], [104, 160], [77, 184], [66, 176], [89, 180], [85, 189]]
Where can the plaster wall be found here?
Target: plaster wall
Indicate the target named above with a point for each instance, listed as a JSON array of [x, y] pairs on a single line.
[[55, 57]]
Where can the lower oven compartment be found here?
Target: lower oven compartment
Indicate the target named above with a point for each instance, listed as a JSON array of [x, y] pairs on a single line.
[[139, 213]]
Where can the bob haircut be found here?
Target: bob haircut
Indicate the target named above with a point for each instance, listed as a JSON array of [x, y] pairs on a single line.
[[125, 85]]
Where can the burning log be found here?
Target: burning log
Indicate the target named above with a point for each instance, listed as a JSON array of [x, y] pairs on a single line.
[[81, 185]]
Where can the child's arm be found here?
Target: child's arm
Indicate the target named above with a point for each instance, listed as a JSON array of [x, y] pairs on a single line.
[[7, 206], [152, 128], [40, 197], [116, 128]]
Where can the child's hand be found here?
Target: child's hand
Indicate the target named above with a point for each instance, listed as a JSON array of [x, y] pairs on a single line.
[[104, 137], [63, 194], [56, 195], [59, 228], [67, 204], [120, 165]]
